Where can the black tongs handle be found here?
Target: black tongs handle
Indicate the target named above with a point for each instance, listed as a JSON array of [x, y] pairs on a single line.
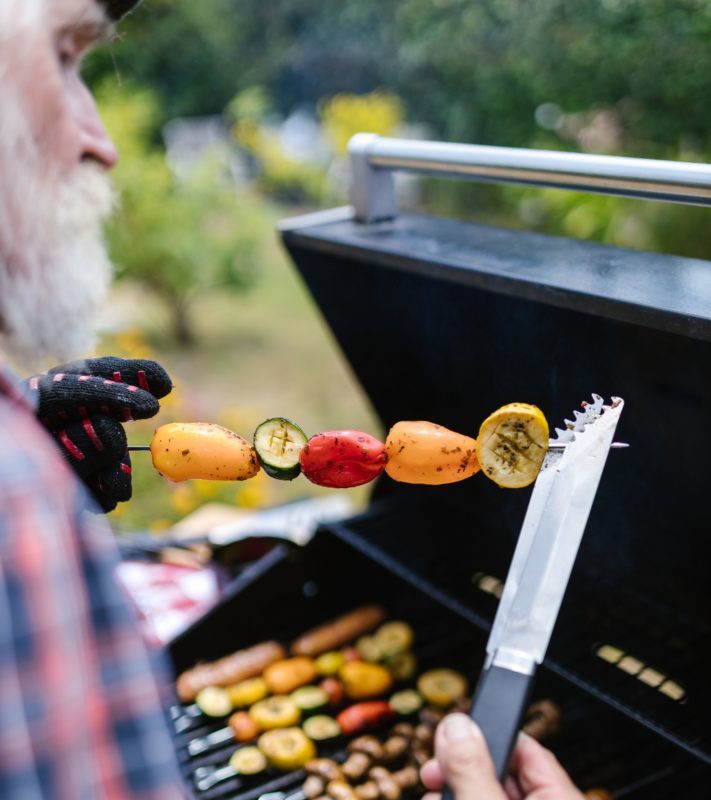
[[500, 702]]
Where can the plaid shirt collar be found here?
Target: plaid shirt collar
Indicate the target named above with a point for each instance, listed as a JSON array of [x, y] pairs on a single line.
[[12, 388]]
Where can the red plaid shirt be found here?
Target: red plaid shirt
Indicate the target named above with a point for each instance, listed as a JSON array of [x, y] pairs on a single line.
[[80, 711]]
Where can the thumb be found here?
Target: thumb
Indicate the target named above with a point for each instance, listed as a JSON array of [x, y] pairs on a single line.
[[460, 749]]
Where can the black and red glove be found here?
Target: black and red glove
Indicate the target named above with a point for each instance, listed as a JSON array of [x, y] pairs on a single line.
[[82, 404]]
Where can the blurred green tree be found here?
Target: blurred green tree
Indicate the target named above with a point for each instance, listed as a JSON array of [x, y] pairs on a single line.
[[176, 235]]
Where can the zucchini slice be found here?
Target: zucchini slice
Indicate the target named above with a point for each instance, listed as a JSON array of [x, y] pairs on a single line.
[[310, 699], [321, 728], [248, 761], [214, 701], [278, 443]]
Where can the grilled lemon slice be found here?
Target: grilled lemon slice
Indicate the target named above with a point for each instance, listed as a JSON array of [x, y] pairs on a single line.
[[512, 444]]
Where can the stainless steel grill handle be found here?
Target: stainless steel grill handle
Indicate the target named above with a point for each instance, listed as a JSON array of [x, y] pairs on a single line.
[[374, 158]]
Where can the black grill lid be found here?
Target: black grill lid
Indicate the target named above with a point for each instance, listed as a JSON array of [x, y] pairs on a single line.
[[445, 321]]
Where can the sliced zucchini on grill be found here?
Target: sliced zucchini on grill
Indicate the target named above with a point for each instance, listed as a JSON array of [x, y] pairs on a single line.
[[321, 728], [406, 702], [248, 761], [310, 699], [278, 443], [214, 701]]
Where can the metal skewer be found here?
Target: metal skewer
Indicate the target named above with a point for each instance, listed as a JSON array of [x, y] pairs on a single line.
[[551, 446]]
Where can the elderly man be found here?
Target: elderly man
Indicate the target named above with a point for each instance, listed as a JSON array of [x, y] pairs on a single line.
[[80, 711]]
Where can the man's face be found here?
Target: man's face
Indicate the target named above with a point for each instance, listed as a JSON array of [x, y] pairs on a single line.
[[54, 153]]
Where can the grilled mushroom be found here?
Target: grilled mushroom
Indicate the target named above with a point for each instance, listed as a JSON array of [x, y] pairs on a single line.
[[389, 790], [407, 777], [313, 787], [356, 765], [341, 790], [394, 748], [324, 768], [368, 745], [368, 791]]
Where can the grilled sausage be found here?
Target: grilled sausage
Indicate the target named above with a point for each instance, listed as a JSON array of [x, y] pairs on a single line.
[[239, 666], [339, 631]]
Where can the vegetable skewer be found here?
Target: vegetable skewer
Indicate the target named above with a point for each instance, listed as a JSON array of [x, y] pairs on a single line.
[[509, 450]]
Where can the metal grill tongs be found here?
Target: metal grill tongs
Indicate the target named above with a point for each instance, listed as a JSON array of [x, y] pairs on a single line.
[[548, 543]]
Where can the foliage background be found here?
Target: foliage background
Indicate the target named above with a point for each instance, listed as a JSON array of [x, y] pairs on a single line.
[[205, 287]]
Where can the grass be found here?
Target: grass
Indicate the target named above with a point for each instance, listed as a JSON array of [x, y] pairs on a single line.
[[262, 353]]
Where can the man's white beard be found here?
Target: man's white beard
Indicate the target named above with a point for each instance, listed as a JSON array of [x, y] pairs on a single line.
[[54, 268]]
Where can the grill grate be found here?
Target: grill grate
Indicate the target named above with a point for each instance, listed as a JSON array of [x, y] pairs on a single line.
[[598, 610], [598, 745]]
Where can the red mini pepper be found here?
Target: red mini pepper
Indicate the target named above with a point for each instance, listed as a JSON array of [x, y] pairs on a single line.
[[364, 716], [342, 459]]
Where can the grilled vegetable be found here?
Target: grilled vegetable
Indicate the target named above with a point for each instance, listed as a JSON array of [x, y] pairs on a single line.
[[394, 637], [321, 728], [228, 670], [406, 702], [248, 761], [310, 698], [512, 444], [339, 631], [275, 712], [369, 649], [334, 689], [422, 452], [442, 687], [364, 716], [287, 675], [244, 726], [278, 443], [185, 450], [402, 666], [249, 692], [329, 663], [342, 459], [214, 701], [362, 680], [288, 748], [598, 794]]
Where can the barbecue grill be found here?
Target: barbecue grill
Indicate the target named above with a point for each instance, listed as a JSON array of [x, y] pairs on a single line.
[[445, 320]]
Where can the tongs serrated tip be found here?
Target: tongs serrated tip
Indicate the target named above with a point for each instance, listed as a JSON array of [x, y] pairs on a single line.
[[592, 411]]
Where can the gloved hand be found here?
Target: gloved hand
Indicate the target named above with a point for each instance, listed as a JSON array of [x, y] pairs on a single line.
[[82, 404], [462, 761]]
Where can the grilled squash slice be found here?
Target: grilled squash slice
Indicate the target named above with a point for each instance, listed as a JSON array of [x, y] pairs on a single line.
[[512, 444]]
